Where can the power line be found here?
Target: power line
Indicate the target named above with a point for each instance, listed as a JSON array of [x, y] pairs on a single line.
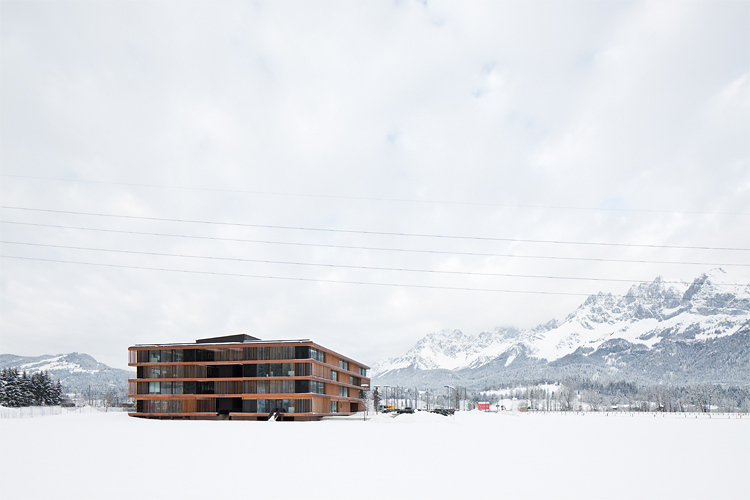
[[312, 280], [378, 233], [369, 198], [341, 266], [385, 249]]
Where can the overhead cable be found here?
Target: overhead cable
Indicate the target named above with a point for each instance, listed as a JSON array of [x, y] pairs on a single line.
[[379, 199], [377, 233], [385, 249], [339, 266], [316, 280]]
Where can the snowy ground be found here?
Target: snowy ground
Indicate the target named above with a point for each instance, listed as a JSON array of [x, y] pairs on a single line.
[[471, 455]]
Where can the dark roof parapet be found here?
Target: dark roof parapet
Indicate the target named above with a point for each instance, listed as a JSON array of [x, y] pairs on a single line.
[[240, 337]]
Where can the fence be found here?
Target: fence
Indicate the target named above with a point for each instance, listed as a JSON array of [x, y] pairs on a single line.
[[44, 411]]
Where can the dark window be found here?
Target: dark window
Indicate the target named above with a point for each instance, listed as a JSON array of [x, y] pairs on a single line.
[[276, 370], [250, 406], [139, 372], [188, 387], [226, 405], [224, 371], [302, 352], [250, 371], [205, 388], [204, 355], [139, 406], [188, 355], [301, 386]]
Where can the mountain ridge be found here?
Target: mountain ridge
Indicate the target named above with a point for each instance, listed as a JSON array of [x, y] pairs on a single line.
[[75, 370], [606, 335]]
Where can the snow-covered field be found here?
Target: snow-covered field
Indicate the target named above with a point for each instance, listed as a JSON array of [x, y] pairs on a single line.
[[471, 455]]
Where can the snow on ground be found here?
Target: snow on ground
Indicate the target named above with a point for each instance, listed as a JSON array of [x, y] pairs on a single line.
[[479, 455]]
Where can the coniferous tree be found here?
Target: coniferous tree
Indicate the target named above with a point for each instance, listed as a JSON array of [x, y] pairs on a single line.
[[3, 381], [57, 394], [25, 390], [12, 389]]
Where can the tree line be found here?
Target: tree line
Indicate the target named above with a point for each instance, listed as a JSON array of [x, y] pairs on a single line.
[[23, 390], [592, 395]]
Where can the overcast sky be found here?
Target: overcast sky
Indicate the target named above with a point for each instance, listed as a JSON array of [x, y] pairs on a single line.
[[590, 122]]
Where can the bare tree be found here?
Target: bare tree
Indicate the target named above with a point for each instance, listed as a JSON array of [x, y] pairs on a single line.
[[594, 399], [703, 394], [568, 396]]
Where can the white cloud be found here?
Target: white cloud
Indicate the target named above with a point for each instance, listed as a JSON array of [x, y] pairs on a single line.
[[612, 105]]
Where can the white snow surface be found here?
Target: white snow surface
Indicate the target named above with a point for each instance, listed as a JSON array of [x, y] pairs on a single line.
[[515, 455], [55, 363], [714, 305]]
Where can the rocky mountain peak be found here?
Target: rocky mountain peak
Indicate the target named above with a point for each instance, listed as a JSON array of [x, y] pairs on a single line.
[[711, 307]]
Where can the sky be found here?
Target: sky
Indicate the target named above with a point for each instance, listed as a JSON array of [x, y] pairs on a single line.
[[359, 173]]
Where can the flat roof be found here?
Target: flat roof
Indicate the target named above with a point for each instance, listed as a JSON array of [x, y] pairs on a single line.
[[237, 337], [244, 342]]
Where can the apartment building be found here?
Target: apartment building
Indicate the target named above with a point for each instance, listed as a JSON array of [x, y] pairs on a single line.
[[240, 377]]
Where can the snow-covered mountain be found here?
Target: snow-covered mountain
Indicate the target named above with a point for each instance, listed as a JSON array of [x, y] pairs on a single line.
[[74, 370], [650, 318]]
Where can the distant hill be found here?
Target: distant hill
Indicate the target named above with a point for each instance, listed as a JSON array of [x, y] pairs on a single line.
[[658, 332], [76, 371]]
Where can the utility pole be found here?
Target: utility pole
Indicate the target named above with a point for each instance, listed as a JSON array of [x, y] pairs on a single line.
[[450, 403]]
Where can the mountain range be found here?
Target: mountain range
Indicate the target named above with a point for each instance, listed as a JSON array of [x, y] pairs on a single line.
[[658, 332], [76, 371]]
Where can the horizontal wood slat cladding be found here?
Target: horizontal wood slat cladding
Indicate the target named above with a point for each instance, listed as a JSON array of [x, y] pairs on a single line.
[[248, 381]]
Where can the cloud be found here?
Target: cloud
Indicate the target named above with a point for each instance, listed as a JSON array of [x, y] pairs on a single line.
[[633, 106]]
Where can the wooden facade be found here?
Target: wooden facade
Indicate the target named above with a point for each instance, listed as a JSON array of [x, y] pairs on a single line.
[[243, 378]]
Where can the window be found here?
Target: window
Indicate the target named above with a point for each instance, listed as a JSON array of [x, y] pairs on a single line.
[[334, 407], [344, 365], [343, 391], [363, 372], [334, 376], [204, 387], [317, 355]]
